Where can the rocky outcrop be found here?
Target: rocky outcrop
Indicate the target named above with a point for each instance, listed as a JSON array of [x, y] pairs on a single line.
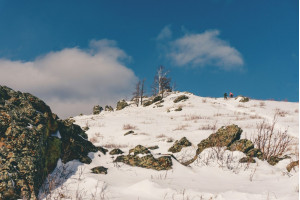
[[183, 142], [224, 137], [148, 161], [180, 98], [97, 110], [121, 104], [242, 145], [154, 100], [32, 139]]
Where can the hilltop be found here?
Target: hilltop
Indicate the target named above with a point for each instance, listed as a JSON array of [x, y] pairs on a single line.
[[217, 173]]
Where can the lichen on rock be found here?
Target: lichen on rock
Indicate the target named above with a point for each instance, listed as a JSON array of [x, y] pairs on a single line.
[[121, 104], [177, 147]]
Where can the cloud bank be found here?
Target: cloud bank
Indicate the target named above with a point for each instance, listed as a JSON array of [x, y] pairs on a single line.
[[72, 80], [203, 49]]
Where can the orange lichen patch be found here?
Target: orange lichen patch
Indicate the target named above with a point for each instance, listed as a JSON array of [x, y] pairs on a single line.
[[2, 144]]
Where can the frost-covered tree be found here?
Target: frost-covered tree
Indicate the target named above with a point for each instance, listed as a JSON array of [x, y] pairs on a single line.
[[161, 81]]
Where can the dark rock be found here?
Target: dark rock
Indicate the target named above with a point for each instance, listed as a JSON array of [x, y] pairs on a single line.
[[180, 98], [273, 160], [139, 149], [156, 99], [224, 137], [97, 110], [121, 105], [99, 170], [247, 160], [292, 165], [109, 108], [147, 103], [30, 145], [242, 145], [129, 132], [102, 150], [116, 152], [183, 142]]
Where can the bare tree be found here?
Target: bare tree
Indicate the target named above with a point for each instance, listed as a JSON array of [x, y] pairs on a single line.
[[161, 81], [137, 92], [142, 91]]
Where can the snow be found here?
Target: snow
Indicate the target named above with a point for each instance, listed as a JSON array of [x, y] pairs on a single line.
[[56, 134], [208, 177]]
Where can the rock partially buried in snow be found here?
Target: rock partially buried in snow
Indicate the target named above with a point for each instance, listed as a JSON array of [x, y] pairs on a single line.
[[242, 145], [97, 110], [180, 98], [109, 108], [225, 136], [183, 142], [292, 165], [139, 149], [116, 152], [99, 170]]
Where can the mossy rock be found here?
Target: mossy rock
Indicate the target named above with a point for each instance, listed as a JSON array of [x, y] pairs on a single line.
[[99, 170], [53, 152], [180, 98], [242, 145], [121, 105], [247, 159], [129, 132], [224, 137], [292, 165], [116, 152], [255, 153], [148, 161], [273, 160], [177, 147], [139, 149]]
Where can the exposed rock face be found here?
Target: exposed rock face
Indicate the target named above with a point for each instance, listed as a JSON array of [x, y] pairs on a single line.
[[32, 139], [97, 110], [180, 98], [224, 137], [148, 161], [121, 105], [183, 142]]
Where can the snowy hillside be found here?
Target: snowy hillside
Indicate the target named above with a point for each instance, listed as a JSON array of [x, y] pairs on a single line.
[[217, 174]]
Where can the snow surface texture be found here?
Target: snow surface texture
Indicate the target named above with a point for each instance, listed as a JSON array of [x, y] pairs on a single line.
[[215, 175]]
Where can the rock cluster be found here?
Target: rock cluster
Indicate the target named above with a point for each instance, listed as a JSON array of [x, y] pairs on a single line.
[[97, 110], [32, 139], [148, 161]]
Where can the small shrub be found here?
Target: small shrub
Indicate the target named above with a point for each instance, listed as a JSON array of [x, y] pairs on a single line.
[[94, 140], [280, 113], [208, 127], [129, 127], [115, 146], [262, 104], [203, 100], [181, 127], [296, 111], [161, 136], [270, 142]]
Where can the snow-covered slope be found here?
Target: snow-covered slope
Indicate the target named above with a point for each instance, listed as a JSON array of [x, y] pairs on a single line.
[[208, 177]]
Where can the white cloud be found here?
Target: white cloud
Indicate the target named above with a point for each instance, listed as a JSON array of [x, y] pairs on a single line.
[[204, 49], [165, 33], [72, 80]]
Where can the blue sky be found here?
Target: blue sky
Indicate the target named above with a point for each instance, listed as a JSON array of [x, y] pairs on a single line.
[[210, 47]]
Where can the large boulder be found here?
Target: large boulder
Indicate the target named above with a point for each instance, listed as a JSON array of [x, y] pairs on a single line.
[[183, 142], [224, 137], [32, 139]]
